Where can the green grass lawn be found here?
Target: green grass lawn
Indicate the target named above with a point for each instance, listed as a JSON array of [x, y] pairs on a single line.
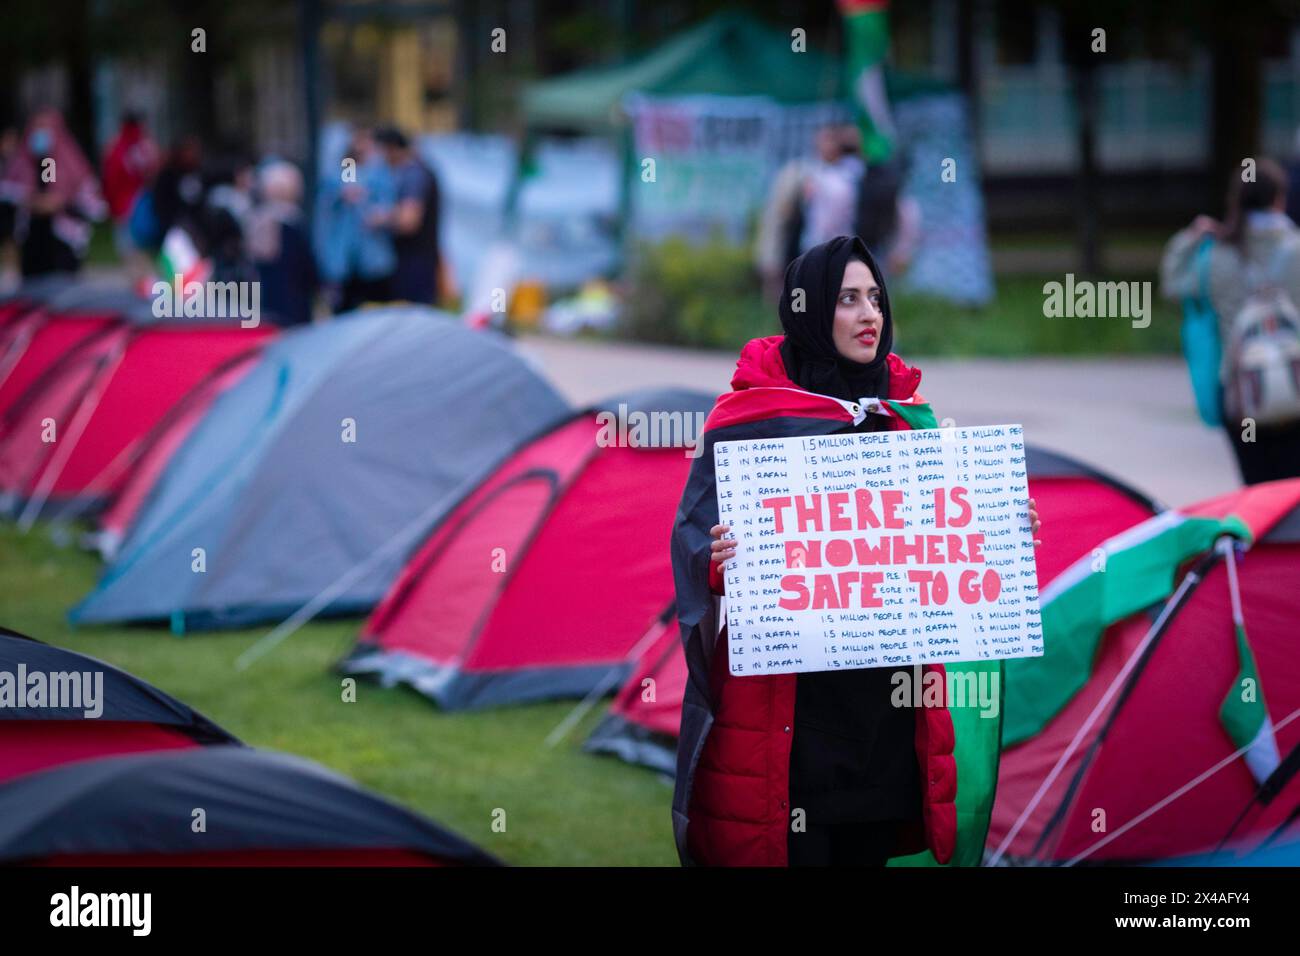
[[562, 806], [102, 250], [1014, 325], [706, 296]]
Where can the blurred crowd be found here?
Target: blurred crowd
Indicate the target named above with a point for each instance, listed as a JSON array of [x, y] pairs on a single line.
[[205, 214]]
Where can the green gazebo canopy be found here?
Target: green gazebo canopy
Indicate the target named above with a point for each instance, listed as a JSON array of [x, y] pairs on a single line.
[[730, 54]]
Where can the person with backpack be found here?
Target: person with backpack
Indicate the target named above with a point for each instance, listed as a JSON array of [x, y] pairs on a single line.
[[1240, 284], [816, 768]]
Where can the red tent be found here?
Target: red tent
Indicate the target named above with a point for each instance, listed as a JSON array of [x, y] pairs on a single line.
[[32, 344], [133, 716], [1080, 507], [13, 309], [1155, 771], [643, 721], [544, 579], [104, 397]]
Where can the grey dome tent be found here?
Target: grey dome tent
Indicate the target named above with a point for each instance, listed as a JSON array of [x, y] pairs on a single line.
[[309, 481]]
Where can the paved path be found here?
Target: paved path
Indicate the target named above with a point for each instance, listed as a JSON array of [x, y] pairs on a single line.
[[1087, 408]]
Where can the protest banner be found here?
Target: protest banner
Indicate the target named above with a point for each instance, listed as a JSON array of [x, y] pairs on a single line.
[[879, 549]]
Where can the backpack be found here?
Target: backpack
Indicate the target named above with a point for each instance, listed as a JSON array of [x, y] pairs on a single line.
[[1263, 350]]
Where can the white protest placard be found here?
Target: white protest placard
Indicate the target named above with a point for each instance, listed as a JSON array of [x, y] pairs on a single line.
[[878, 549]]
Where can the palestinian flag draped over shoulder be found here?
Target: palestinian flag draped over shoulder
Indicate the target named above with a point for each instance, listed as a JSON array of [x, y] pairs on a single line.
[[866, 40], [764, 405]]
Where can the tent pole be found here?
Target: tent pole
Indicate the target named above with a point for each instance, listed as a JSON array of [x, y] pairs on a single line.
[[601, 689], [54, 468], [1191, 784], [1072, 791], [402, 540], [1187, 583]]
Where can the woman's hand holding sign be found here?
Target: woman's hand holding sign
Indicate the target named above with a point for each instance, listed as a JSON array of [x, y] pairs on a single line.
[[723, 548], [1034, 523]]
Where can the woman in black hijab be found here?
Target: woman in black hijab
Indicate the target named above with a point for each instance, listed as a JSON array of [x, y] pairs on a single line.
[[812, 315], [854, 770]]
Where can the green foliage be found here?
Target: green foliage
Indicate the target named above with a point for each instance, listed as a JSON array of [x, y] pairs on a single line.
[[702, 295], [563, 806], [706, 296], [1013, 325]]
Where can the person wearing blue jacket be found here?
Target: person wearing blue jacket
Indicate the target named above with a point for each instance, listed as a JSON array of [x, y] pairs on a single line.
[[354, 251]]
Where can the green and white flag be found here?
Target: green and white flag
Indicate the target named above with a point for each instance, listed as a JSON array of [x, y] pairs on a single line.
[[1243, 713], [179, 261], [866, 38], [1129, 572]]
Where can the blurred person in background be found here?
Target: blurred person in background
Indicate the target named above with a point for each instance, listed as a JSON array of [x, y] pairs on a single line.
[[57, 197], [1249, 268], [230, 184], [812, 200], [1293, 181], [830, 189], [202, 210], [177, 192], [886, 220], [222, 219], [279, 247], [10, 142], [130, 162], [412, 221], [780, 226], [355, 255]]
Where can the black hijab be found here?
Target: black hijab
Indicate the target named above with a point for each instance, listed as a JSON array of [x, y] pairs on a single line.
[[811, 359]]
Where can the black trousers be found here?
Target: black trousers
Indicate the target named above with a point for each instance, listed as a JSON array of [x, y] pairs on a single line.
[[1274, 454], [843, 844], [43, 252], [356, 292]]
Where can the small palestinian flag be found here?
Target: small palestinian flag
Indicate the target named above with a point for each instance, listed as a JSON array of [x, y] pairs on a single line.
[[1243, 713], [180, 257]]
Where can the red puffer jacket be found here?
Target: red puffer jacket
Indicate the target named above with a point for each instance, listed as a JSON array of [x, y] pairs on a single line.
[[739, 802]]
